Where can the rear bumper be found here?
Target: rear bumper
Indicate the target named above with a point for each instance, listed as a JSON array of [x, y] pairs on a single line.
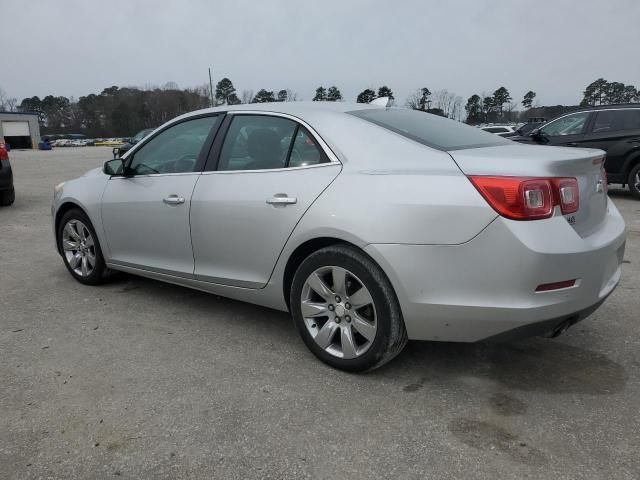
[[6, 175], [484, 288]]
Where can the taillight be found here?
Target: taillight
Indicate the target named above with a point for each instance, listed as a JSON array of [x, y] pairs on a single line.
[[524, 198], [567, 194], [4, 155]]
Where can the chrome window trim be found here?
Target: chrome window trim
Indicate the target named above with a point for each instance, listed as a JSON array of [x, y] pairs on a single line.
[[265, 170], [588, 112], [165, 126], [333, 159], [154, 175]]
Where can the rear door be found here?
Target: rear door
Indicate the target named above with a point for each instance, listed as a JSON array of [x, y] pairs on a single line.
[[263, 176]]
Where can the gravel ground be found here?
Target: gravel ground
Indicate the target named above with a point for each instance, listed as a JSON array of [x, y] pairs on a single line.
[[139, 379]]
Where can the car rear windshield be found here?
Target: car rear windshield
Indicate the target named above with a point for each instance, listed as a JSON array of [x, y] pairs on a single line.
[[430, 130]]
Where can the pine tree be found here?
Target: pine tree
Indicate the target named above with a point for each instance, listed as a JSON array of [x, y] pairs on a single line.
[[263, 96], [527, 101], [224, 90], [385, 91], [425, 100], [333, 94], [321, 94], [366, 96], [283, 95], [500, 97], [474, 110]]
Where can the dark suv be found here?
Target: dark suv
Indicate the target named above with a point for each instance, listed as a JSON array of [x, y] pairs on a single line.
[[612, 128]]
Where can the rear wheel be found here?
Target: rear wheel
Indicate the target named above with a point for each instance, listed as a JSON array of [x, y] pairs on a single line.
[[7, 197], [346, 310], [80, 248], [634, 181]]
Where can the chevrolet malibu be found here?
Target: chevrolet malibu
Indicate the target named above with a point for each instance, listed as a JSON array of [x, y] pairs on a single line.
[[371, 225]]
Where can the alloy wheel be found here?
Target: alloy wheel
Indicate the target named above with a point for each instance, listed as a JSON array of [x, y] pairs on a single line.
[[339, 312], [79, 248]]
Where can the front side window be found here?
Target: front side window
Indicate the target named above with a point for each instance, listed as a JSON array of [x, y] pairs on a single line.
[[570, 125], [616, 120], [175, 150], [263, 142]]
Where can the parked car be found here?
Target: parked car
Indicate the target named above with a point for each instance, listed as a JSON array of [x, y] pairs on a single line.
[[7, 191], [371, 225], [612, 128], [122, 149], [499, 129], [523, 130]]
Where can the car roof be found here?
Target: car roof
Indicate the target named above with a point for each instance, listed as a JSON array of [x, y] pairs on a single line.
[[612, 106], [304, 110]]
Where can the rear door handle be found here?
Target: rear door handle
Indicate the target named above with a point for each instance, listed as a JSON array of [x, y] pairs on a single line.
[[282, 199], [173, 200], [572, 144]]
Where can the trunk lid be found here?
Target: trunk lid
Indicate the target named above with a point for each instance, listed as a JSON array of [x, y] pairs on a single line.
[[584, 164]]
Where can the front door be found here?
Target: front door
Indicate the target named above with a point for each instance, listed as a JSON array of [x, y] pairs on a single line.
[[146, 214], [567, 131], [270, 170]]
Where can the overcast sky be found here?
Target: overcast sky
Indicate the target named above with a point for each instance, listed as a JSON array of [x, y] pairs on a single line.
[[554, 47]]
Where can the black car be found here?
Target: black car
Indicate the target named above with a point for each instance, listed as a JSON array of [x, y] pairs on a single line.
[[612, 128], [119, 151], [7, 193]]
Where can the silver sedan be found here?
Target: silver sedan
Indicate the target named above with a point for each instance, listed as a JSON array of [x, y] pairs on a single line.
[[371, 225]]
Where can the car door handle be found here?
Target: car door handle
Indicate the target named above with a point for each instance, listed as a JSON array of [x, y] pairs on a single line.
[[572, 144], [282, 199], [173, 200]]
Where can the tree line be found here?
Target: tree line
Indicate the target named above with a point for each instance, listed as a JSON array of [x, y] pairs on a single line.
[[122, 111]]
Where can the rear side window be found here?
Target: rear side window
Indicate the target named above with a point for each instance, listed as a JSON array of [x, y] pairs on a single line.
[[305, 151], [430, 130], [616, 120], [264, 142]]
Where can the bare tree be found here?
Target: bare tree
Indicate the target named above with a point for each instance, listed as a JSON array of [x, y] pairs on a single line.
[[247, 96], [444, 100], [3, 99], [456, 112], [291, 96], [510, 111], [414, 100]]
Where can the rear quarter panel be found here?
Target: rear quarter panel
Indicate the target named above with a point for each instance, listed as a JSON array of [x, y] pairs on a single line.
[[393, 190]]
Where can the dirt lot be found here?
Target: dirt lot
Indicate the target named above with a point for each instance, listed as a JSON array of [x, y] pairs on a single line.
[[139, 379]]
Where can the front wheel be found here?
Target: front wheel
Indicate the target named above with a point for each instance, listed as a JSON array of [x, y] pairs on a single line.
[[346, 310], [80, 248], [634, 181]]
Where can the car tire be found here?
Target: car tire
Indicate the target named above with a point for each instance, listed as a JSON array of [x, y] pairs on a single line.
[[78, 242], [356, 337], [7, 197], [634, 181]]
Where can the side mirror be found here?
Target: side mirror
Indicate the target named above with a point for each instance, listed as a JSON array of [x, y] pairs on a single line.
[[114, 167], [535, 132]]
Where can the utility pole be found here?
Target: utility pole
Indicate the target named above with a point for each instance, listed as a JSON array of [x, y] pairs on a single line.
[[211, 88]]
